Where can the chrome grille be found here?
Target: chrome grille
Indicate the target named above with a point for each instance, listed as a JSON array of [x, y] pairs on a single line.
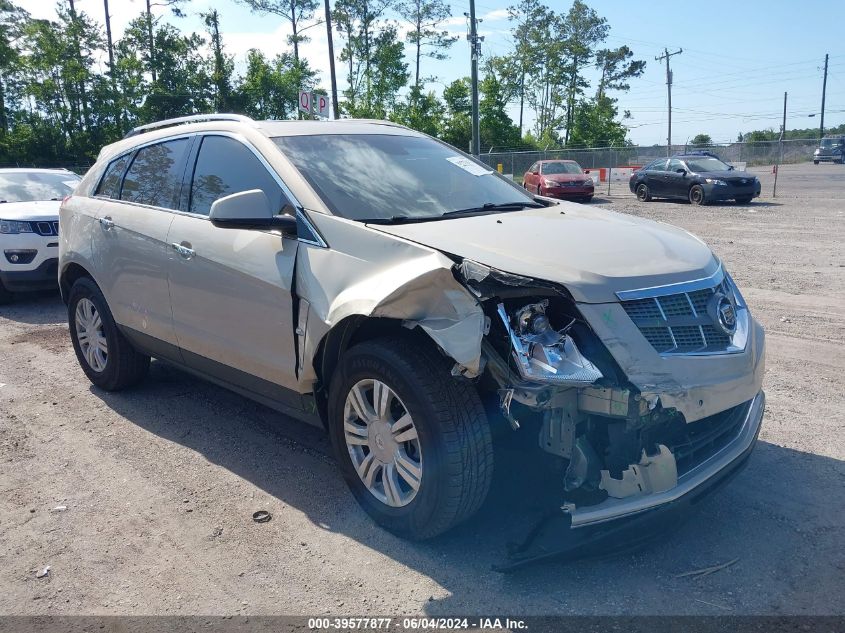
[[678, 322]]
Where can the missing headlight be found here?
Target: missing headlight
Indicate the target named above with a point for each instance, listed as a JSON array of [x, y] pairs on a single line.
[[544, 354]]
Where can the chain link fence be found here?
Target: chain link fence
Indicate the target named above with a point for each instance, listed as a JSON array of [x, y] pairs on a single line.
[[754, 153]]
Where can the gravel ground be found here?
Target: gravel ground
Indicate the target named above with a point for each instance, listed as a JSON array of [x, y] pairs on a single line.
[[158, 484]]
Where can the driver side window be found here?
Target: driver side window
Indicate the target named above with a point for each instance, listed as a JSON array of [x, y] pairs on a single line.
[[225, 166], [675, 165]]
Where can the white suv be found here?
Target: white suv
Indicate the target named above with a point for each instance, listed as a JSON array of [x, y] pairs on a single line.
[[29, 228], [375, 281]]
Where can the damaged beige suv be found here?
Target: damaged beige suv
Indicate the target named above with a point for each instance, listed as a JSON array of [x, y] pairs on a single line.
[[375, 281]]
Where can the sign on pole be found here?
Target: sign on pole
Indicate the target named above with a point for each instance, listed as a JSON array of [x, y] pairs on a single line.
[[311, 103], [305, 101]]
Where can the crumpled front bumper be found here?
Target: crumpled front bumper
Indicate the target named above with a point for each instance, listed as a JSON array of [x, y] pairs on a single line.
[[697, 478], [619, 525]]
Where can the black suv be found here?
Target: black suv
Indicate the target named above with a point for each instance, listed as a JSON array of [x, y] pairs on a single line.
[[698, 178]]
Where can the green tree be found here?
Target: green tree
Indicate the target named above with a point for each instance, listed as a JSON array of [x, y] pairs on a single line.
[[595, 125], [426, 36], [297, 12], [581, 30], [617, 66], [496, 127], [456, 128], [223, 65], [701, 140], [270, 89], [421, 111], [361, 26], [12, 21]]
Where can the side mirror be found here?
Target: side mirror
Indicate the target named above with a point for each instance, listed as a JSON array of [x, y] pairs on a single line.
[[249, 210], [681, 171], [536, 172]]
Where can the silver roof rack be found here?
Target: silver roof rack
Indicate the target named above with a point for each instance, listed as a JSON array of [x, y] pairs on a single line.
[[191, 118]]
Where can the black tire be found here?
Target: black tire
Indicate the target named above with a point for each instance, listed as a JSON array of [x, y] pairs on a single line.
[[124, 366], [643, 192], [452, 427], [587, 199], [744, 199], [696, 195], [539, 190], [6, 296], [815, 162]]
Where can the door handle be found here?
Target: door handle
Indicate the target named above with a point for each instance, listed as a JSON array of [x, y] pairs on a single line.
[[184, 249], [107, 223]]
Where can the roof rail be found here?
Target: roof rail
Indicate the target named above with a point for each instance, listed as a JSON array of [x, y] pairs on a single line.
[[191, 118]]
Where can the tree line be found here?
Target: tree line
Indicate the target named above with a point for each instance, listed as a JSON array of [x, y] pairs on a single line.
[[68, 87]]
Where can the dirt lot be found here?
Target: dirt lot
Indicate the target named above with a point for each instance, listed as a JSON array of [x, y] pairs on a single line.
[[160, 483]]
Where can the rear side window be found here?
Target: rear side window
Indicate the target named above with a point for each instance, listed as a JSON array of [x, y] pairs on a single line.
[[226, 166], [155, 176], [109, 186]]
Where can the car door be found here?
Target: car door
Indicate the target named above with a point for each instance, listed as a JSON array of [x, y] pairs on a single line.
[[140, 190], [530, 179], [653, 176], [231, 289], [676, 183]]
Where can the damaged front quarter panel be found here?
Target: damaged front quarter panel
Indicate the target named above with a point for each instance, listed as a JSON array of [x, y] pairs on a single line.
[[372, 275]]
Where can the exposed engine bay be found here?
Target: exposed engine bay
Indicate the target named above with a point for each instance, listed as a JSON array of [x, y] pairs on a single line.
[[555, 379]]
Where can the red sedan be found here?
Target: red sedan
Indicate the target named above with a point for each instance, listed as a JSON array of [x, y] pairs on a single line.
[[559, 179]]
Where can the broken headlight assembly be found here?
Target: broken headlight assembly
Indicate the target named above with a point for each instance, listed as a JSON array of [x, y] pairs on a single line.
[[543, 354]]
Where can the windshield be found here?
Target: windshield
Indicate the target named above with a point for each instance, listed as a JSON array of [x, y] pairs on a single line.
[[705, 164], [28, 186], [383, 177], [561, 168], [830, 142]]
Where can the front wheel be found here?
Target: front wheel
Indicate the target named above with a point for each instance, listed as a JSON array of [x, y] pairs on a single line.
[[413, 443], [643, 193], [744, 200], [696, 195], [815, 162], [106, 357]]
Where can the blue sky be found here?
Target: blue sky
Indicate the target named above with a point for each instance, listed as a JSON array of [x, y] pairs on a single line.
[[738, 59]]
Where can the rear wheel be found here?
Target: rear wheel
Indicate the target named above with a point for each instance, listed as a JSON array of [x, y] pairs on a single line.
[[643, 192], [5, 295], [106, 357], [815, 162], [413, 443], [696, 195]]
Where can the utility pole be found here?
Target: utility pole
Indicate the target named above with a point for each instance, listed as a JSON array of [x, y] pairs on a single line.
[[824, 90], [780, 149], [475, 51], [331, 61], [666, 55]]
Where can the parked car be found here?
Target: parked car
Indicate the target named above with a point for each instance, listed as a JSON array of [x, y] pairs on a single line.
[[29, 228], [697, 178], [830, 149], [376, 282], [559, 179]]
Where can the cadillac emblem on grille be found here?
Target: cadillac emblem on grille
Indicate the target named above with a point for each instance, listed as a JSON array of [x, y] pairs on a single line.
[[721, 309]]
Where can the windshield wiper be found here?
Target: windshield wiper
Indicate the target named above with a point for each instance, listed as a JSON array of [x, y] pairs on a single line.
[[493, 206], [489, 206]]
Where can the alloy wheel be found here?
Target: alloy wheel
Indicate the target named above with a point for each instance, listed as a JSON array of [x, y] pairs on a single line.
[[382, 442], [89, 333]]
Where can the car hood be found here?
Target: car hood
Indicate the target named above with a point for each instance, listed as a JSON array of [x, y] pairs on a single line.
[[593, 252], [37, 211], [725, 175]]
